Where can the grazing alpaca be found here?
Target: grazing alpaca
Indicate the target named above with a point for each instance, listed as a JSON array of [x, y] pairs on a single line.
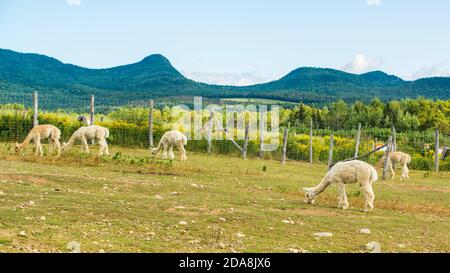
[[84, 120], [39, 133], [87, 133], [346, 173], [168, 140], [398, 158]]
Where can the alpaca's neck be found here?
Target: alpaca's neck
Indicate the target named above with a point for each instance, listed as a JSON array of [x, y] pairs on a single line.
[[71, 140], [27, 140], [321, 187]]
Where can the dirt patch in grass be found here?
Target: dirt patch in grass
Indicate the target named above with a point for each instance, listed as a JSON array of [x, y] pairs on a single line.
[[424, 188], [38, 180], [397, 205], [310, 211]]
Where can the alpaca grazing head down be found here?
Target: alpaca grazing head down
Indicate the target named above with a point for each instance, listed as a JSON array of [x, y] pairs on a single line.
[[64, 146], [154, 151], [310, 196], [18, 148], [346, 172]]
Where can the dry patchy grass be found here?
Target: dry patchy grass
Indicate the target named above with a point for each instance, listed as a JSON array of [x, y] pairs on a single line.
[[131, 203]]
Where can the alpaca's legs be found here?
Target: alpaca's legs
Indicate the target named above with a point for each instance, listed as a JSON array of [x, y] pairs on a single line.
[[84, 145], [342, 198], [41, 149], [105, 147], [391, 169], [58, 147], [171, 155], [182, 152], [101, 145], [407, 171], [164, 155], [37, 142], [55, 145], [368, 195], [403, 172], [51, 146]]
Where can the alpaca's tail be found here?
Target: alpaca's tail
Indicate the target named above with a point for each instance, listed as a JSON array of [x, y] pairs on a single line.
[[184, 140], [57, 133], [373, 175], [408, 159], [106, 133]]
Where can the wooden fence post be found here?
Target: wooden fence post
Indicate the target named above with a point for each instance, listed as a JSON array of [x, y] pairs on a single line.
[[285, 140], [394, 139], [386, 160], [262, 124], [150, 123], [244, 148], [358, 138], [330, 153], [35, 109], [311, 142], [210, 125], [436, 151], [92, 109]]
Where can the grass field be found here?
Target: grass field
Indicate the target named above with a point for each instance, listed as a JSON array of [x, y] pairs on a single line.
[[128, 203]]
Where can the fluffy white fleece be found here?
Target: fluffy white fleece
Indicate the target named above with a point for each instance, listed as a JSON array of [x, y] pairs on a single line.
[[88, 133], [168, 140], [346, 173]]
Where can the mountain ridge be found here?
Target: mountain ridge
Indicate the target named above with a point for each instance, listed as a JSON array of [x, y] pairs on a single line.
[[155, 76]]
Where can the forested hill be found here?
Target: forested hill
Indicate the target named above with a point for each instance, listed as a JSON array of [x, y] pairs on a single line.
[[155, 77]]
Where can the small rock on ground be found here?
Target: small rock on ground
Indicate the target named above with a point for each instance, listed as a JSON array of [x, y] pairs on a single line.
[[295, 250], [374, 247], [365, 231], [323, 234], [74, 247]]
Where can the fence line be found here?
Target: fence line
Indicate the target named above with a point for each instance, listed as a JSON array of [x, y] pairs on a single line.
[[138, 124]]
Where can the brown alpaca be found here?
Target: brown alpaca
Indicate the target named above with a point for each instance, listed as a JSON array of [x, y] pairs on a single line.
[[39, 133]]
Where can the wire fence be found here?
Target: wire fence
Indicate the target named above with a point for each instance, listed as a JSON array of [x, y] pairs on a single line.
[[128, 123]]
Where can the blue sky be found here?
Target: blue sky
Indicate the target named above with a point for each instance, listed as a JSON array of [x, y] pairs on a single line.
[[237, 41]]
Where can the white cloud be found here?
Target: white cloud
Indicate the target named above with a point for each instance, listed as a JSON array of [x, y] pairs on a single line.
[[235, 79], [362, 63], [73, 2], [373, 2], [441, 69]]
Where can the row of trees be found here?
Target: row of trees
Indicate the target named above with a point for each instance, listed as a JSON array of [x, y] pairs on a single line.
[[405, 115]]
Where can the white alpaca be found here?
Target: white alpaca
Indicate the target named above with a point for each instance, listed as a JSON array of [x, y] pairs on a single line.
[[39, 133], [88, 133], [347, 173], [168, 140], [398, 158]]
